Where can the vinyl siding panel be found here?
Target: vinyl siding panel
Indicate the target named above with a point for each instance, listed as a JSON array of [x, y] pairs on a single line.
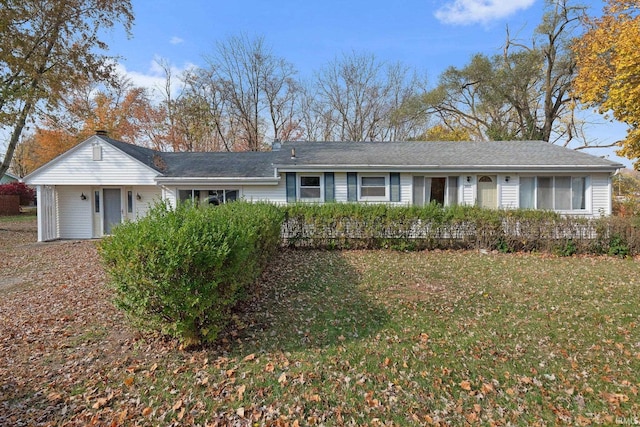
[[406, 188], [600, 195], [468, 191], [341, 186], [276, 194], [78, 168], [149, 196], [509, 191], [74, 214]]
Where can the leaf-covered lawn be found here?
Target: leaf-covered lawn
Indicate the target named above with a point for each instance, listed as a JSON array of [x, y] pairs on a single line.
[[332, 338]]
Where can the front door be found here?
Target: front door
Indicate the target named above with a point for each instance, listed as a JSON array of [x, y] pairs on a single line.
[[487, 192], [112, 208]]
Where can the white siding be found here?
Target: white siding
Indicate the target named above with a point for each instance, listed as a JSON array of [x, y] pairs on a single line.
[[406, 189], [509, 194], [600, 194], [77, 167], [170, 194], [271, 193], [340, 181], [148, 197], [468, 191], [74, 214]]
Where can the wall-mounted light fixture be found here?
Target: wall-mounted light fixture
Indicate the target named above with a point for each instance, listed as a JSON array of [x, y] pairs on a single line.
[[507, 178], [138, 196], [83, 197], [468, 179]]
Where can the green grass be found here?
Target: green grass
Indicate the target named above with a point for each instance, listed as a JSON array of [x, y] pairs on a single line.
[[22, 217], [375, 337]]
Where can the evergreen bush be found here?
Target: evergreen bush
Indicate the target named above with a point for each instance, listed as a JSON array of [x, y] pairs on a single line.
[[182, 270]]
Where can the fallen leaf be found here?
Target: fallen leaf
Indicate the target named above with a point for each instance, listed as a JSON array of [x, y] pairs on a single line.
[[241, 391], [100, 403], [282, 378]]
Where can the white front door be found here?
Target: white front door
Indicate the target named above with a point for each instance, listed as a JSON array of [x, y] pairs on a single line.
[[487, 192]]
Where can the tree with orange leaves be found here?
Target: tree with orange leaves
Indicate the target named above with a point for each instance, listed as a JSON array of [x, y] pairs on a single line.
[[124, 111], [48, 46], [608, 61]]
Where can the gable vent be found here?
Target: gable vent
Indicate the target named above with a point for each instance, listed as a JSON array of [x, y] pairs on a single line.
[[97, 152]]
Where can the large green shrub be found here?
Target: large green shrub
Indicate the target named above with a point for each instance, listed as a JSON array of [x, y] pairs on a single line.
[[182, 270]]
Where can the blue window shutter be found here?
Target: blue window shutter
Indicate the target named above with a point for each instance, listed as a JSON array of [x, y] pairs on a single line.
[[291, 187], [394, 180], [329, 187], [352, 186]]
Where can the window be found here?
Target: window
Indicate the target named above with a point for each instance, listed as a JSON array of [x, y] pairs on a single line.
[[452, 190], [437, 190], [310, 188], [440, 190], [208, 197], [96, 201], [129, 201], [527, 193], [373, 187], [560, 193]]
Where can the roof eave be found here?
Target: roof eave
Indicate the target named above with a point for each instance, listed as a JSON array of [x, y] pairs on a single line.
[[164, 180], [450, 168]]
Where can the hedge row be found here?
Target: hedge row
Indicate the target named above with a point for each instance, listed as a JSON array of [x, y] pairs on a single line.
[[181, 271], [362, 226]]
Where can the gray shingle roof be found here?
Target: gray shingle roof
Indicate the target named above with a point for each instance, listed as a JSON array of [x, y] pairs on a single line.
[[441, 155], [495, 155]]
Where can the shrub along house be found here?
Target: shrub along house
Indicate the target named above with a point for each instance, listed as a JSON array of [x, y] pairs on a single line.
[[101, 182]]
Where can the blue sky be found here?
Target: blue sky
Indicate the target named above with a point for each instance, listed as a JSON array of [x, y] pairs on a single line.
[[426, 35]]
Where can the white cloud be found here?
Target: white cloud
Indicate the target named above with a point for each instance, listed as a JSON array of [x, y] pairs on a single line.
[[176, 40], [474, 11], [154, 78]]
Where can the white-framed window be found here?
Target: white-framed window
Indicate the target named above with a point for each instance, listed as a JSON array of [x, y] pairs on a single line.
[[208, 197], [373, 187], [442, 190], [559, 193], [310, 188]]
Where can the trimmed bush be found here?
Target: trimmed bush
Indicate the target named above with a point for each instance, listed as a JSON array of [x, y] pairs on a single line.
[[370, 226], [181, 271]]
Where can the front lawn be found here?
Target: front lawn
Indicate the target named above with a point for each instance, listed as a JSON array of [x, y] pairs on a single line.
[[353, 338]]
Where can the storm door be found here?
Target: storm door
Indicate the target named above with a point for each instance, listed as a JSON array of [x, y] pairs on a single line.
[[112, 207]]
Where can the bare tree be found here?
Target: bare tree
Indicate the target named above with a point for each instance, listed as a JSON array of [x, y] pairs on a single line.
[[363, 98], [256, 87]]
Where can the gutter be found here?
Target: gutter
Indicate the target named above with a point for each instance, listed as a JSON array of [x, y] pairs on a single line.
[[217, 180], [440, 168]]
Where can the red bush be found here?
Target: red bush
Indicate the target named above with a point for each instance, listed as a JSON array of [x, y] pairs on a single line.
[[21, 189]]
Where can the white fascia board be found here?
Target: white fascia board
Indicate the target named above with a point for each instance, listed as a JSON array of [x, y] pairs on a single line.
[[217, 180]]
